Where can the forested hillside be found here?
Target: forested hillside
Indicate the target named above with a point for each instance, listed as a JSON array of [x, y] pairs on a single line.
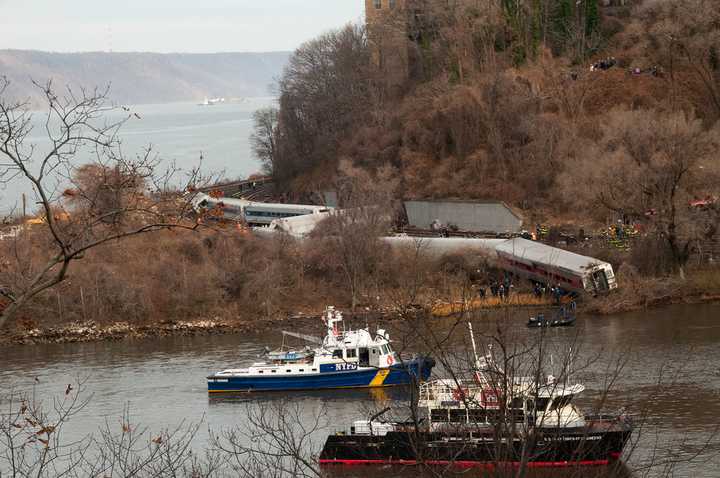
[[577, 112], [145, 77]]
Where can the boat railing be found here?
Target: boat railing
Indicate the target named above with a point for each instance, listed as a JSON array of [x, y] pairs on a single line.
[[450, 390]]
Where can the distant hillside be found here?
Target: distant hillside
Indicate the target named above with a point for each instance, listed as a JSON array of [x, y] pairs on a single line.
[[146, 77]]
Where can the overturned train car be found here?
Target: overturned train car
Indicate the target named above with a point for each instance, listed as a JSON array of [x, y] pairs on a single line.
[[550, 265]]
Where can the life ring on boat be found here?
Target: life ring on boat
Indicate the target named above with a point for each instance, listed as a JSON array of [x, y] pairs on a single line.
[[389, 360]]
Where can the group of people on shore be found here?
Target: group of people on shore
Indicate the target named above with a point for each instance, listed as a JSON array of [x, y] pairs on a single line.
[[497, 288], [544, 290], [503, 288]]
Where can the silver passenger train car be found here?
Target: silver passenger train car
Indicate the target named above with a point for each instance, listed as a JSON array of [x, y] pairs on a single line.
[[254, 213]]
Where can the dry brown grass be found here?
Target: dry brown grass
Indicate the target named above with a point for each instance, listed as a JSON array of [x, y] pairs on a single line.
[[445, 309]]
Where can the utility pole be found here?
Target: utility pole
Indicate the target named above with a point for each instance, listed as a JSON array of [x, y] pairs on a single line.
[[24, 206]]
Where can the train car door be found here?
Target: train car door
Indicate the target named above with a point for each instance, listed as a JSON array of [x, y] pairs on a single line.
[[600, 281]]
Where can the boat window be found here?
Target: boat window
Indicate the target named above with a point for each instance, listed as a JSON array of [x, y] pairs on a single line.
[[542, 403], [288, 370], [260, 371], [561, 402], [458, 415], [374, 351], [439, 415], [314, 370], [476, 415], [301, 370], [351, 353], [337, 353], [385, 349], [273, 371]]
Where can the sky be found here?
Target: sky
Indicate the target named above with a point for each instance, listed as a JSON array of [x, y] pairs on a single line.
[[165, 26]]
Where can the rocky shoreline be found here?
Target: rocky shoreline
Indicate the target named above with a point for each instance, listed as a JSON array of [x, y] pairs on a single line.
[[80, 332]]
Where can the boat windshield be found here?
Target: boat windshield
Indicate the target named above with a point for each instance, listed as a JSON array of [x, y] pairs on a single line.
[[561, 402]]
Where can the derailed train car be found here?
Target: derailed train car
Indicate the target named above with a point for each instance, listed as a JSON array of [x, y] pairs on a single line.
[[254, 213], [558, 267]]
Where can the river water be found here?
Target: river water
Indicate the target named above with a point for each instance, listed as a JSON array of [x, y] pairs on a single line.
[[179, 133], [162, 382]]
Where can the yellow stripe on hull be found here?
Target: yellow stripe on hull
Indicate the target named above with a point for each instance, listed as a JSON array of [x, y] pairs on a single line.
[[380, 377]]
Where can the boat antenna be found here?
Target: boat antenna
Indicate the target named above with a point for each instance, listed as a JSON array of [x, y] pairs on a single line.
[[479, 377], [472, 340]]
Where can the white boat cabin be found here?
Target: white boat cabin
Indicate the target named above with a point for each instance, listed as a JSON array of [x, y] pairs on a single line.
[[448, 402]]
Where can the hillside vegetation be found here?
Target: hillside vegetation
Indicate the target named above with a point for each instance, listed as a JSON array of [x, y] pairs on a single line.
[[137, 78], [499, 101]]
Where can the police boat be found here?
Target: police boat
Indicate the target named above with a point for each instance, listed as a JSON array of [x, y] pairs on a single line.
[[343, 359]]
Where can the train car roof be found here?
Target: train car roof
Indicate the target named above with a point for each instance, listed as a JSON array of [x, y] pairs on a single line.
[[532, 251], [263, 205]]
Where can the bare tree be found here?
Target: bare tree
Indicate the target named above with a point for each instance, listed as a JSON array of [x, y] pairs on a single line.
[[656, 165], [352, 234], [323, 94], [277, 440], [33, 442], [263, 137], [88, 191]]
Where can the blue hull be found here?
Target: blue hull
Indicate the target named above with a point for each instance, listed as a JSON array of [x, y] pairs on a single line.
[[398, 374]]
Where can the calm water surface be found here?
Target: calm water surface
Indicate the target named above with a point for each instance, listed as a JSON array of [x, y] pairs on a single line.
[[163, 381], [179, 133]]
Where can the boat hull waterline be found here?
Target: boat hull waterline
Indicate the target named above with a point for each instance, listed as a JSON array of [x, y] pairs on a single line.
[[404, 373], [554, 450]]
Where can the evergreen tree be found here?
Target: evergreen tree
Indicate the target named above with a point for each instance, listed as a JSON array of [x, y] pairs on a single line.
[[561, 21], [592, 17]]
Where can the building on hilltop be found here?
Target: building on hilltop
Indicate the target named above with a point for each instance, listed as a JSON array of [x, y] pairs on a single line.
[[388, 24], [397, 28]]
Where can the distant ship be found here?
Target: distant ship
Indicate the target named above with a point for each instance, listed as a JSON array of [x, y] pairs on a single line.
[[212, 101], [343, 359]]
